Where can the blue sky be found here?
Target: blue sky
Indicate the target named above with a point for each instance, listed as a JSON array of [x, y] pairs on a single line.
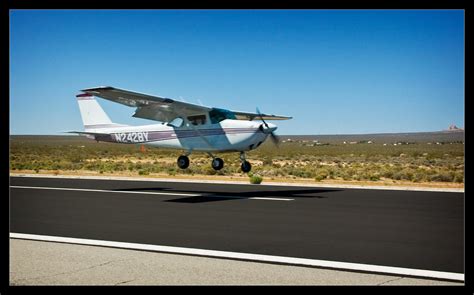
[[335, 72]]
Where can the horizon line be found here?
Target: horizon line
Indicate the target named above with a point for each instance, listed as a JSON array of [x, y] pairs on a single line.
[[313, 134]]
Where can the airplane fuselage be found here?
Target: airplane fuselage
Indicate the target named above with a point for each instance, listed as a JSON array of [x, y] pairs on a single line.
[[226, 136]]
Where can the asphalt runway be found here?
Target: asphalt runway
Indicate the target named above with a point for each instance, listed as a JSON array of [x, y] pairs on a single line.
[[408, 229]]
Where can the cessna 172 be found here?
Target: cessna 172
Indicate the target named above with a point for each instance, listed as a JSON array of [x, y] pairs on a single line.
[[183, 126]]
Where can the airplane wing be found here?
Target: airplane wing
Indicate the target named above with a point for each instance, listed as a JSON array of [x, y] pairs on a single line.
[[161, 108], [253, 116], [148, 106]]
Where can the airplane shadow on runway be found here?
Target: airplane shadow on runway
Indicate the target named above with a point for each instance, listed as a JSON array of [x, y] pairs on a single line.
[[213, 196]]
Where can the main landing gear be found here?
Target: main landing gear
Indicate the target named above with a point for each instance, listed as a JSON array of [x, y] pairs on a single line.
[[183, 162], [217, 163]]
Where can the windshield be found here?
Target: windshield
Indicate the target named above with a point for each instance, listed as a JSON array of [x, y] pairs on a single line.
[[217, 115]]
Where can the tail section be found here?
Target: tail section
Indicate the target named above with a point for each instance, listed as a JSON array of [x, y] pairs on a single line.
[[93, 116]]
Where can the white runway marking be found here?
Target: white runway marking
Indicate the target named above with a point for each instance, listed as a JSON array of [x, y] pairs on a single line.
[[252, 198], [106, 191], [249, 256], [149, 193], [271, 199]]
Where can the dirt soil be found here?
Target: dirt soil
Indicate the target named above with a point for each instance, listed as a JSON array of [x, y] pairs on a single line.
[[244, 178]]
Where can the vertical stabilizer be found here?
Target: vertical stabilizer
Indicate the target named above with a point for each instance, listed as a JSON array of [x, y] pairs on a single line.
[[93, 116]]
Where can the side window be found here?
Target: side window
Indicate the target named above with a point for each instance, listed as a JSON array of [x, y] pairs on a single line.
[[176, 122], [197, 120]]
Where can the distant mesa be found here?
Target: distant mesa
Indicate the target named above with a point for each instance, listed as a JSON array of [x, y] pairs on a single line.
[[453, 127]]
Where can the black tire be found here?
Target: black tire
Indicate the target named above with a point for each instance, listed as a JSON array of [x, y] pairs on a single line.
[[183, 162], [246, 167], [217, 163]]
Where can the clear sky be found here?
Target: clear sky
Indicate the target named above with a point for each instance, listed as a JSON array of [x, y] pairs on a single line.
[[335, 72]]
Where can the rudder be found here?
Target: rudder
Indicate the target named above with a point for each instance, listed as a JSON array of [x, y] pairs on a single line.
[[93, 116]]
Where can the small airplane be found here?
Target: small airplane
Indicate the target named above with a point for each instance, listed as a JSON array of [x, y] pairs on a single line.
[[185, 126]]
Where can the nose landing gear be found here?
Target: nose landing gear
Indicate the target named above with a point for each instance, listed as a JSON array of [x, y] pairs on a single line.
[[245, 166]]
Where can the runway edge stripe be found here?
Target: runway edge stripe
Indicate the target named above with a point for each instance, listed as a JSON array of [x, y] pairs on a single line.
[[249, 256], [216, 181]]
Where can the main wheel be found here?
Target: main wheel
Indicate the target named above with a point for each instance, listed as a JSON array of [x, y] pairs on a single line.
[[246, 167], [183, 162], [217, 163]]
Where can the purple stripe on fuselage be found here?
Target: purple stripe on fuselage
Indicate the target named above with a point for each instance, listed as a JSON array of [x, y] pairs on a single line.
[[177, 134], [164, 135]]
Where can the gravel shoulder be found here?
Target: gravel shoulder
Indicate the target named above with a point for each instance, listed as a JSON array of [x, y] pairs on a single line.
[[49, 263]]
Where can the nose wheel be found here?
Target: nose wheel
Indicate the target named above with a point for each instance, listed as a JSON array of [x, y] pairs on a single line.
[[245, 166]]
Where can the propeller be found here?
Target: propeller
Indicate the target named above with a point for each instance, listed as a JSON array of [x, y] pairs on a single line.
[[275, 139]]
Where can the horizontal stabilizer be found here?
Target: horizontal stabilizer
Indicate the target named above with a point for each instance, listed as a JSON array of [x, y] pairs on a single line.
[[86, 133], [93, 135]]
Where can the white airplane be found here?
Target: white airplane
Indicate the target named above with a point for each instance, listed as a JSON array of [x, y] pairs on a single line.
[[183, 126]]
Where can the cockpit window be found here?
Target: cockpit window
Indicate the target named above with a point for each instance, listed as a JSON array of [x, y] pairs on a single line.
[[218, 115], [197, 120]]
